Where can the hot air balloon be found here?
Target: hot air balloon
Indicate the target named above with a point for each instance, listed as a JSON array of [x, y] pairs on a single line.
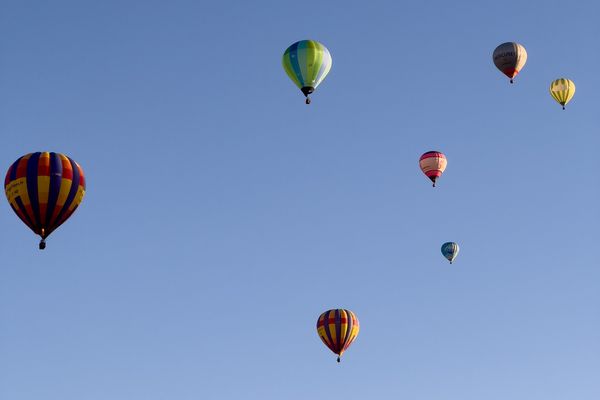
[[338, 329], [450, 250], [562, 90], [44, 189], [433, 164], [510, 58], [307, 63]]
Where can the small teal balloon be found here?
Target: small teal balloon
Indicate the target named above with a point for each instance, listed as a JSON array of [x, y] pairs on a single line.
[[450, 250]]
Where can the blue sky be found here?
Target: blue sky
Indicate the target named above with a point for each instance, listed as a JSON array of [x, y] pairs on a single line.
[[222, 215]]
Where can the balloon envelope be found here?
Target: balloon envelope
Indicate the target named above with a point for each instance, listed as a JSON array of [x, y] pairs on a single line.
[[337, 329], [307, 63], [510, 58], [44, 189], [450, 250], [562, 90], [433, 164]]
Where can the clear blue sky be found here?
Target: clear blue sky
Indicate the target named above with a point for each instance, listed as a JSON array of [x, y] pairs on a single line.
[[222, 215]]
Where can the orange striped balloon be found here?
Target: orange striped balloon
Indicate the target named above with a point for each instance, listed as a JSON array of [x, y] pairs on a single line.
[[44, 189], [433, 164], [337, 329]]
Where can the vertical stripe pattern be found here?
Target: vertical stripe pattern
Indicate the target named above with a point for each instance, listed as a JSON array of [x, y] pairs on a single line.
[[44, 189], [307, 63], [337, 329], [433, 164], [510, 58], [562, 90], [450, 250]]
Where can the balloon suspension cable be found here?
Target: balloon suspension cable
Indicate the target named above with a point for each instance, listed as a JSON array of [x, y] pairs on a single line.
[[43, 241], [306, 90], [338, 360]]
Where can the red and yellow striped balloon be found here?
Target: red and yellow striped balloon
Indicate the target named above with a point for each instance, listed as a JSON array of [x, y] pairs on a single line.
[[44, 189], [338, 329], [433, 164]]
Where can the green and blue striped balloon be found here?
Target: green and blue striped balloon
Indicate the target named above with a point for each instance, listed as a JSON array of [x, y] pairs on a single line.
[[450, 250], [307, 63]]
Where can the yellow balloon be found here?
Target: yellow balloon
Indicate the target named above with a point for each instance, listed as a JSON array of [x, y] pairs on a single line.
[[562, 90]]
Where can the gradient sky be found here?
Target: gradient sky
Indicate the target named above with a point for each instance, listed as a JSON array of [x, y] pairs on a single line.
[[223, 215]]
